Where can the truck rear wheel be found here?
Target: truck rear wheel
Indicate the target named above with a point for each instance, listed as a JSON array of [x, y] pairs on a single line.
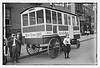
[[54, 48]]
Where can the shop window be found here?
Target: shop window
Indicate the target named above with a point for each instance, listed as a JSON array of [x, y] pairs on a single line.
[[59, 18], [25, 19], [65, 19], [48, 16], [40, 17], [32, 18], [54, 18]]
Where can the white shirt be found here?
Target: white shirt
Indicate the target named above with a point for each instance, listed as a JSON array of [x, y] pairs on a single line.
[[66, 41], [14, 42]]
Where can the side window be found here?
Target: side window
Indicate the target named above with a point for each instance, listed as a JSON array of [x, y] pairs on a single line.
[[54, 18], [69, 21], [25, 19], [59, 18], [73, 20], [65, 19], [77, 19], [40, 17], [48, 16], [32, 18]]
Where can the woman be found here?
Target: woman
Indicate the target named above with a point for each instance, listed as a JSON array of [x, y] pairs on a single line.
[[67, 48]]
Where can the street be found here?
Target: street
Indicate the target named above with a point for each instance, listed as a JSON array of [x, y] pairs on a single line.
[[86, 54]]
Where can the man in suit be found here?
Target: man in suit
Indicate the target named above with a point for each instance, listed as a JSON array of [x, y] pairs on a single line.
[[14, 44], [9, 45], [19, 37], [67, 47]]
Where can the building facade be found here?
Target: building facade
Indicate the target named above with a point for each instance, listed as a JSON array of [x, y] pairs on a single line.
[[86, 14], [13, 10]]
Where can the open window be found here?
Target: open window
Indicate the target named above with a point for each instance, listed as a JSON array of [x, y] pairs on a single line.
[[40, 17], [65, 19], [59, 18], [69, 20], [54, 18], [73, 20], [48, 16], [77, 20], [32, 18], [25, 19]]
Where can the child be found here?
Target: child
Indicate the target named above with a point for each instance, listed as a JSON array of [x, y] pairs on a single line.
[[66, 46]]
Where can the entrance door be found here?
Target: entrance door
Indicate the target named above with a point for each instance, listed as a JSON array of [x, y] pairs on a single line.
[[70, 27]]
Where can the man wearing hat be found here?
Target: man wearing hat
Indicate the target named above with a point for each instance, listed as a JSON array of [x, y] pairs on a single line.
[[9, 44], [19, 37], [67, 47], [14, 44]]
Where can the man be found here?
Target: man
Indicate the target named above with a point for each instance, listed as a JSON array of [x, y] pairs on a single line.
[[19, 37], [14, 43], [67, 48], [9, 45]]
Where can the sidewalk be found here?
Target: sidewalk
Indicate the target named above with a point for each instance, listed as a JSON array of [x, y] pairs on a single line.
[[25, 54]]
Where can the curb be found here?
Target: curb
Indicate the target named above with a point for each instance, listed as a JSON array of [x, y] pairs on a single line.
[[87, 39], [45, 51]]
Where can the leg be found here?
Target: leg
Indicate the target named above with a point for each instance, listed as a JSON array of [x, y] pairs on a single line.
[[19, 49], [68, 55], [17, 56], [65, 54]]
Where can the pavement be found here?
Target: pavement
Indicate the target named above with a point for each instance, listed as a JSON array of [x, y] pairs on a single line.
[[24, 53]]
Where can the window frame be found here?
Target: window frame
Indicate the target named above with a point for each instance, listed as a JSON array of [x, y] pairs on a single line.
[[34, 18], [66, 20], [27, 19], [69, 21], [50, 16], [55, 16], [73, 20], [37, 17], [60, 18]]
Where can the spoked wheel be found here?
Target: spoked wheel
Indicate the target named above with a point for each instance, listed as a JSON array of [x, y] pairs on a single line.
[[31, 49], [78, 44], [54, 48]]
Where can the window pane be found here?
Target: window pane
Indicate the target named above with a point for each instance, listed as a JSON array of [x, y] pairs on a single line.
[[48, 16], [25, 19], [32, 18], [7, 21], [77, 20], [59, 18], [8, 13], [73, 20], [40, 18], [65, 19], [69, 20], [54, 18], [54, 29]]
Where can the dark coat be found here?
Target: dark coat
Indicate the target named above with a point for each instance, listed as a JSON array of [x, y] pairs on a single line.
[[10, 43], [67, 48]]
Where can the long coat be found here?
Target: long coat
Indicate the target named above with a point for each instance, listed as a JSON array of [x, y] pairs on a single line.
[[67, 48]]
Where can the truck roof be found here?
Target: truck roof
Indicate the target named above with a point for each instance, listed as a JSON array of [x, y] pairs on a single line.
[[48, 8]]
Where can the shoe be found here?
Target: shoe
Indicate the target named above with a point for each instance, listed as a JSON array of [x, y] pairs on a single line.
[[68, 57], [17, 62], [65, 58]]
